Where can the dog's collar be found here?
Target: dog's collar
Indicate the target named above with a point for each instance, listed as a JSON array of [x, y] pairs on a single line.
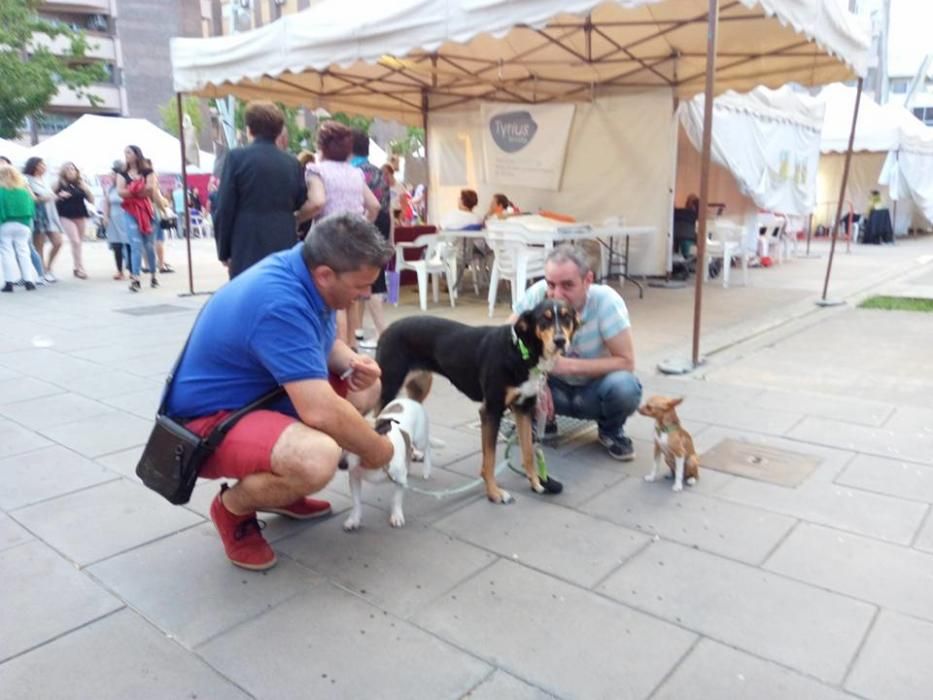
[[520, 344], [661, 430]]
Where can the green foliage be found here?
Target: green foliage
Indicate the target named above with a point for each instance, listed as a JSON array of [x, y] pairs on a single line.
[[30, 74], [414, 140], [298, 137], [353, 121], [169, 113], [897, 304]]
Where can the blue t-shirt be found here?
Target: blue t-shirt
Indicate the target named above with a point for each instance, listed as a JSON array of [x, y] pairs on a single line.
[[266, 327]]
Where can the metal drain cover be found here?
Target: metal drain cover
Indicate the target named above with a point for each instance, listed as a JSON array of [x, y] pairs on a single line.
[[760, 462], [154, 310]]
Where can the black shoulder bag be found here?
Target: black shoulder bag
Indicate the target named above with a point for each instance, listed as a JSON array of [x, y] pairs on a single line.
[[173, 455]]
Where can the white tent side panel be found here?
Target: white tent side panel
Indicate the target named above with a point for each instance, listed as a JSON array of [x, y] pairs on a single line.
[[619, 163], [16, 153]]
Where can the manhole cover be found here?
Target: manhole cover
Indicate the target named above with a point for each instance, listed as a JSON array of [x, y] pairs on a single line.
[[760, 462], [154, 310]]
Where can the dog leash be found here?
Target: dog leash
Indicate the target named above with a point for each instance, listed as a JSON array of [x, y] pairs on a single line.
[[441, 494]]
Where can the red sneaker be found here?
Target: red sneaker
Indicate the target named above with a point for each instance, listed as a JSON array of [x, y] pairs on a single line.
[[242, 537], [302, 509]]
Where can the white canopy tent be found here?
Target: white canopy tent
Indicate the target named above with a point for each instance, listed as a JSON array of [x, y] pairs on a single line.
[[908, 172], [94, 142], [881, 129], [630, 58], [769, 141], [16, 153]]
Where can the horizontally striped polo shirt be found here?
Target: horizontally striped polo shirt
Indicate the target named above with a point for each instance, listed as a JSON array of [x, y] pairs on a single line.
[[604, 316]]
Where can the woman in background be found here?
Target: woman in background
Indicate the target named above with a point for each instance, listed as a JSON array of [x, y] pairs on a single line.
[[47, 223], [115, 223], [72, 196], [17, 211], [136, 186]]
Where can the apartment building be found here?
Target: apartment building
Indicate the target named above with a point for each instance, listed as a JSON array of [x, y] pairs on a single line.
[[130, 38]]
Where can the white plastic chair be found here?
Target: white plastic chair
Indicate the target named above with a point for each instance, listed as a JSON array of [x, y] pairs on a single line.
[[775, 236], [517, 259], [440, 258], [725, 241], [198, 227]]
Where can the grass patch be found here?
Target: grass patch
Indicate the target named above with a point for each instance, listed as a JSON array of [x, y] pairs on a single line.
[[897, 304]]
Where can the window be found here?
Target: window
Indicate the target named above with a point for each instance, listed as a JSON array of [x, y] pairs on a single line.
[[51, 123], [898, 87]]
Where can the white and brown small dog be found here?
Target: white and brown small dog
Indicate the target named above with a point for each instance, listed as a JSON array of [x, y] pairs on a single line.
[[671, 441], [405, 423]]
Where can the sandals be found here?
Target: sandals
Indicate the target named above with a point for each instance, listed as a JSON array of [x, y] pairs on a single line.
[[166, 268], [135, 285], [80, 274]]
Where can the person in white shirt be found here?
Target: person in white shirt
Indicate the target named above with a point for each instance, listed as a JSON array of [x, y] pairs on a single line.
[[463, 216]]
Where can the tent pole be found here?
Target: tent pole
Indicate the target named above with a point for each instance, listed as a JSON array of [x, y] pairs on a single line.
[[424, 125], [186, 228], [842, 193], [712, 27]]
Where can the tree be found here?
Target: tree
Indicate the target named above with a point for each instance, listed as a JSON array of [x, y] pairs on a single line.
[[30, 74], [298, 137], [169, 113], [411, 144]]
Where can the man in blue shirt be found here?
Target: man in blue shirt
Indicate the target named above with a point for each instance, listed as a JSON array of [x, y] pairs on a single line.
[[274, 325], [595, 380]]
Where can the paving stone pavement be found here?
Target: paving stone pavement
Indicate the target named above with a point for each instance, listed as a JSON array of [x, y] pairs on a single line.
[[617, 588]]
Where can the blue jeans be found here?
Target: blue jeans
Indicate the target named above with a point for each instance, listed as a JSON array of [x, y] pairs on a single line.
[[36, 260], [609, 400], [138, 244]]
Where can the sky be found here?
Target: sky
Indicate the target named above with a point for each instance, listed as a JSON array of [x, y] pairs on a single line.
[[909, 37]]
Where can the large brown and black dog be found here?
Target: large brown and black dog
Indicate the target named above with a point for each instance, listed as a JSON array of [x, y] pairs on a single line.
[[502, 367]]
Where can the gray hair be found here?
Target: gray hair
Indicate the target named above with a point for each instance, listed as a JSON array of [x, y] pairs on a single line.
[[345, 242], [571, 253]]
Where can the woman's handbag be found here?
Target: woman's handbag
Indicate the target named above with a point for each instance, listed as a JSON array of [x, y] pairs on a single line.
[[173, 454], [393, 283]]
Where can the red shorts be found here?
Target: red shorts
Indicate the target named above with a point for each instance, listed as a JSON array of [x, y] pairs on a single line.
[[247, 448]]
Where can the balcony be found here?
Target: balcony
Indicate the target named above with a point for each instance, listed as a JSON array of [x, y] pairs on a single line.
[[66, 99], [89, 6], [100, 46]]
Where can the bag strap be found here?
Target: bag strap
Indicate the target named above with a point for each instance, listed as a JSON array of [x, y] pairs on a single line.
[[217, 434]]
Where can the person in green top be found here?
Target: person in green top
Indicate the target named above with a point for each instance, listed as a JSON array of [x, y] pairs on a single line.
[[17, 210]]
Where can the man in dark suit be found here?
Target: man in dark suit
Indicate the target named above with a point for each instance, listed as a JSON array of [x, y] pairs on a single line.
[[262, 190]]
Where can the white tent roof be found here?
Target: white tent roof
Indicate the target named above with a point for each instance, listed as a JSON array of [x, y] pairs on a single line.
[[769, 140], [94, 142], [879, 127], [389, 58], [16, 153]]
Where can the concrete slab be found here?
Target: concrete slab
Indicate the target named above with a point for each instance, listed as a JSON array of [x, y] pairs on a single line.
[[143, 403], [797, 625], [691, 518], [545, 536], [911, 419], [398, 569], [156, 580], [329, 643], [924, 539], [50, 411], [98, 522], [12, 534], [123, 462], [108, 432], [850, 410], [47, 473], [16, 440], [877, 441], [714, 670], [49, 365], [894, 663], [117, 657], [44, 596], [502, 685], [498, 615], [21, 388], [741, 416], [907, 480], [114, 383], [845, 508], [884, 574]]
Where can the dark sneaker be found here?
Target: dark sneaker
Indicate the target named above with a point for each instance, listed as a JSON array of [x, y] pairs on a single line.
[[302, 509], [618, 446], [242, 537], [30, 286]]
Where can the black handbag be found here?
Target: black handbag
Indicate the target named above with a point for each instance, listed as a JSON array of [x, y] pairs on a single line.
[[173, 454]]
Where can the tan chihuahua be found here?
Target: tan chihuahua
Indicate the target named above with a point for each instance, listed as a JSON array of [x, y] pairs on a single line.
[[672, 441]]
